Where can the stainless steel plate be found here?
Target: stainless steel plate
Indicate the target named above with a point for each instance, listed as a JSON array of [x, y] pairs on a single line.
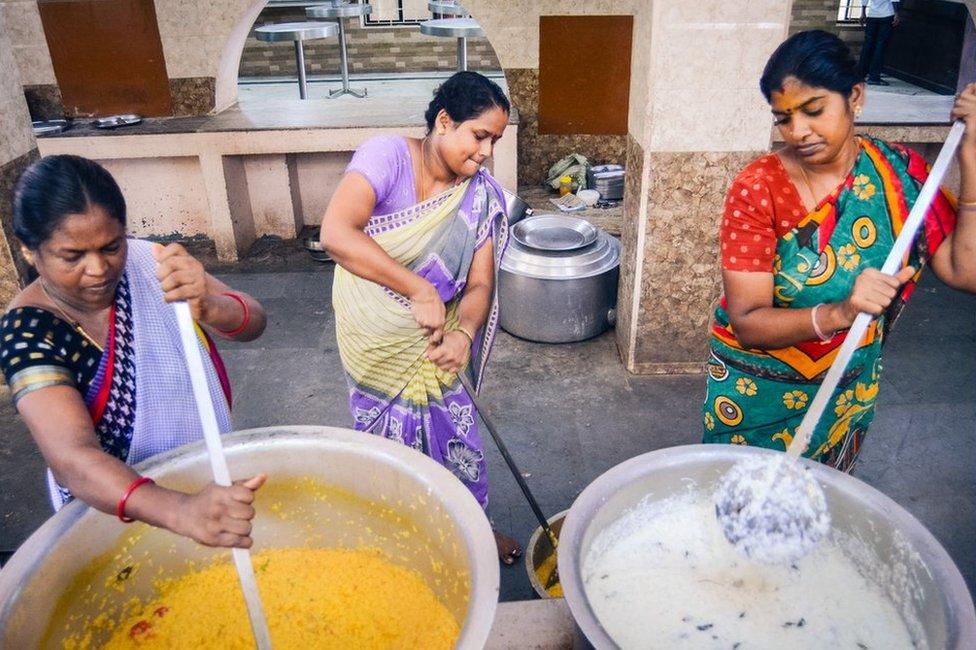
[[47, 127], [554, 233], [116, 121]]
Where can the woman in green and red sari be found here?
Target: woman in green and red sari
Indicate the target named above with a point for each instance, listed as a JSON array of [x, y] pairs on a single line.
[[804, 233]]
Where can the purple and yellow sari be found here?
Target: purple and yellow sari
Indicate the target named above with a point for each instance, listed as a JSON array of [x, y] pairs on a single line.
[[394, 390]]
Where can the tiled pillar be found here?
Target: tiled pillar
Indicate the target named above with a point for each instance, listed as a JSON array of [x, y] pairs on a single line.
[[703, 118], [17, 151]]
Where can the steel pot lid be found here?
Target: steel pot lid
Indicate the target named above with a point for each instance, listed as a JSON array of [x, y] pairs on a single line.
[[552, 232], [601, 256]]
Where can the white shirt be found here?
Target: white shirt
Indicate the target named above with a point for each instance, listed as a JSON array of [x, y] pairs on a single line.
[[880, 8]]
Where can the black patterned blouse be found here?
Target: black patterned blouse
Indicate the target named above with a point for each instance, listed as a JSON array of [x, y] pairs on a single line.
[[39, 349]]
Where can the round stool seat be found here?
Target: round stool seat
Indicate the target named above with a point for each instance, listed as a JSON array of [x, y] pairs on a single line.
[[452, 28], [296, 31], [339, 11], [446, 8]]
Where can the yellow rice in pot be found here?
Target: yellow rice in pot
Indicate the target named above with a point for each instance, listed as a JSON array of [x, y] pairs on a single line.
[[313, 598]]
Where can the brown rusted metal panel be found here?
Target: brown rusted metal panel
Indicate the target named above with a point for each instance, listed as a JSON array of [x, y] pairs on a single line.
[[584, 74], [107, 56]]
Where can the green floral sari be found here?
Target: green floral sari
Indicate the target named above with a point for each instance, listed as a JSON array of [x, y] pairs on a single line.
[[758, 397]]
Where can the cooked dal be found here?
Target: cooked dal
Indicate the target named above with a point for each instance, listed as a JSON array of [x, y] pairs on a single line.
[[322, 598]]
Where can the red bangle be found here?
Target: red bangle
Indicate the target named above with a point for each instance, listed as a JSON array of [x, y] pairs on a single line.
[[120, 509], [247, 316]]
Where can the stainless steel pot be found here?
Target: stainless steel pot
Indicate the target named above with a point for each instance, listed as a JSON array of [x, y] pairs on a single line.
[[933, 591], [327, 487], [558, 280]]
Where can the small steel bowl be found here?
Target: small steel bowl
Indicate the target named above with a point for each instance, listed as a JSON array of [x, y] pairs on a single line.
[[315, 249], [49, 127], [116, 121], [539, 550]]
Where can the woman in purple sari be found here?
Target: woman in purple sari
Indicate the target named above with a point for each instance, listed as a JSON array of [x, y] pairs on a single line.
[[417, 228]]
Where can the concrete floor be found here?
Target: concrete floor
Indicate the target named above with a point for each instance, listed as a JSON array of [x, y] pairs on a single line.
[[570, 412]]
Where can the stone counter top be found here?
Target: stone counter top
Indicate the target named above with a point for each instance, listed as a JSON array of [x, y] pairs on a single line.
[[277, 115], [608, 219], [264, 168]]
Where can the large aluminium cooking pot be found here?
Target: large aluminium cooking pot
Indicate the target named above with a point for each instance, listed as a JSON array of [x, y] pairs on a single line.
[[930, 587], [365, 491], [558, 280]]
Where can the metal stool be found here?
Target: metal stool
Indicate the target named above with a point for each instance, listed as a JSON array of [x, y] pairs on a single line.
[[299, 33], [340, 11], [460, 28], [442, 8]]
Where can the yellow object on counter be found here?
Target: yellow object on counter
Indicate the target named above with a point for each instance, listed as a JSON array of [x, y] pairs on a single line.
[[565, 185], [313, 598]]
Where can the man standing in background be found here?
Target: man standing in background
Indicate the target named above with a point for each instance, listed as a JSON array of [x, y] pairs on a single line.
[[878, 17]]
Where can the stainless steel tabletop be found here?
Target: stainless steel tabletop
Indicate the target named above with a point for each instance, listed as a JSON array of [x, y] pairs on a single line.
[[339, 11], [452, 27], [445, 7], [296, 31]]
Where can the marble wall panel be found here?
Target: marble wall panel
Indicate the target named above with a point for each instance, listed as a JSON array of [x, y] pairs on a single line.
[[16, 137], [28, 45], [194, 33], [687, 118], [192, 95], [640, 72], [44, 101], [680, 276], [721, 11], [706, 61], [14, 269], [17, 151], [537, 152]]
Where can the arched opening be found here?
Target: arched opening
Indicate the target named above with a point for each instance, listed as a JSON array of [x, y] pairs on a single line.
[[387, 55]]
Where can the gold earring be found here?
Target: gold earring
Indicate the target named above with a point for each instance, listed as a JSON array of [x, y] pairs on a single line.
[[441, 131], [857, 111]]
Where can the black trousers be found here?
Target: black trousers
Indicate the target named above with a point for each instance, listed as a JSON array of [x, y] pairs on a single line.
[[876, 34]]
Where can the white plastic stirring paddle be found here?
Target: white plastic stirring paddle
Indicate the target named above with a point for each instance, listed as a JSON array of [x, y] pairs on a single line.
[[770, 507], [211, 434]]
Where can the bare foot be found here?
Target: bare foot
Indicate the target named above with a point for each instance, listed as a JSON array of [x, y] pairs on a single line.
[[508, 549]]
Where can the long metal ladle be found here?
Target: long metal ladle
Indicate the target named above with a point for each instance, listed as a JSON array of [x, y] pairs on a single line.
[[543, 522]]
